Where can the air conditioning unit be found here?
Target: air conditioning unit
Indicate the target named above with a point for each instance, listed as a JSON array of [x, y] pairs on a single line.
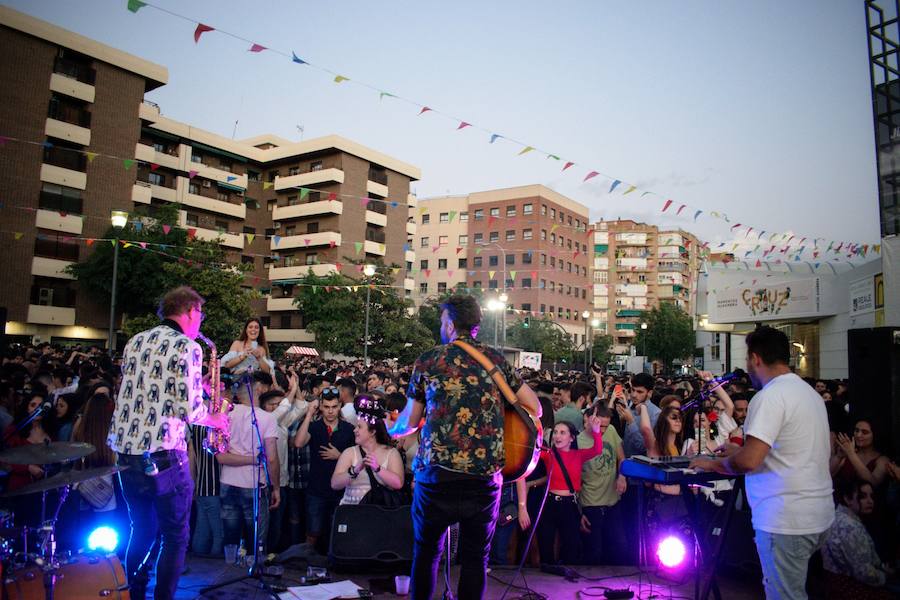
[[207, 183], [45, 296]]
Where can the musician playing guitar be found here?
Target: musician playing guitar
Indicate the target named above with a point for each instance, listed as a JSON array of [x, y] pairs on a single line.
[[460, 463]]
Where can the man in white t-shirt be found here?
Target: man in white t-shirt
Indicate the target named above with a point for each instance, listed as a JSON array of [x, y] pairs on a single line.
[[238, 481], [785, 459]]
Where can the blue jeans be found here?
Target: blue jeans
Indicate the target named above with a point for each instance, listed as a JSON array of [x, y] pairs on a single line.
[[158, 506], [208, 529], [785, 561], [237, 511], [503, 533]]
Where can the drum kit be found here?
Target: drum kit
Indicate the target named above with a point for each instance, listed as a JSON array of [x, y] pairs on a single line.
[[28, 569]]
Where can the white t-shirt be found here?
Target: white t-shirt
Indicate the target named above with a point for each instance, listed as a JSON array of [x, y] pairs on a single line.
[[243, 442], [790, 493]]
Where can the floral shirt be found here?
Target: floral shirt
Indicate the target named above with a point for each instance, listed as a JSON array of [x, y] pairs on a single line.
[[463, 429], [849, 550]]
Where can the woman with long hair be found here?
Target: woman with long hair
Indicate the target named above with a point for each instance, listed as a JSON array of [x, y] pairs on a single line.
[[665, 438], [858, 458], [249, 351], [40, 430], [561, 511], [373, 449]]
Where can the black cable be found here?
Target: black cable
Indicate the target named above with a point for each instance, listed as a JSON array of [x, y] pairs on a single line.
[[529, 593]]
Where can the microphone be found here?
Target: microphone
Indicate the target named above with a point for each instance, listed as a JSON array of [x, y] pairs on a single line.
[[724, 378], [45, 406]]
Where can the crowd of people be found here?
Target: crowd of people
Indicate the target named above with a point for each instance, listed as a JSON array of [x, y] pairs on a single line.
[[306, 434]]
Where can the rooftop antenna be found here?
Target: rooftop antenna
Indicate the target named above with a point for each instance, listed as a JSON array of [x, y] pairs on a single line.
[[300, 130], [234, 131]]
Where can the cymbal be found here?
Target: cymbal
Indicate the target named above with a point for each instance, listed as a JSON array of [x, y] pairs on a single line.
[[63, 479], [45, 454]]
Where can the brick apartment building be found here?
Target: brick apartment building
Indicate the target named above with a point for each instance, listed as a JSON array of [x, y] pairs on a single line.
[[637, 266], [285, 207]]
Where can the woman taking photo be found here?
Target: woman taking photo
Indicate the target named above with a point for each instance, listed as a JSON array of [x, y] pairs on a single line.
[[373, 449], [249, 352]]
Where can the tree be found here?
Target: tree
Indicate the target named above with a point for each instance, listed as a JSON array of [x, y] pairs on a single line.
[[334, 308], [540, 335], [169, 260], [602, 349], [430, 314], [669, 334]]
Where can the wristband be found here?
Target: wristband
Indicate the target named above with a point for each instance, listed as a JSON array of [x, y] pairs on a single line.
[[377, 469]]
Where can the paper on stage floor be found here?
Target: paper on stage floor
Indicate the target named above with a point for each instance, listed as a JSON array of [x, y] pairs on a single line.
[[322, 591]]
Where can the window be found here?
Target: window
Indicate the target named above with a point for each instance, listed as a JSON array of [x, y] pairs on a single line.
[[293, 171], [577, 223], [526, 307], [526, 234], [477, 285], [493, 261], [543, 259], [443, 240], [196, 157], [553, 213], [273, 175], [544, 214], [315, 165], [510, 235], [553, 261], [569, 267], [312, 227], [463, 240], [570, 220], [193, 188], [222, 226], [271, 204], [290, 230], [293, 200], [527, 209], [442, 263], [423, 265], [553, 238], [462, 263], [526, 283], [444, 217], [510, 259], [494, 236], [569, 244], [252, 175], [250, 230], [562, 217], [312, 258], [463, 217], [495, 212], [423, 287], [492, 284], [409, 265], [543, 234], [192, 220], [479, 214], [247, 260], [543, 308], [544, 286], [442, 287], [510, 284], [222, 196], [526, 258], [156, 179], [476, 262], [60, 198], [552, 286], [424, 242], [511, 211], [426, 219], [479, 238], [285, 321]]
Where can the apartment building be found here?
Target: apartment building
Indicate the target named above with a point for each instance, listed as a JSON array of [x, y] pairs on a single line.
[[284, 207], [529, 243], [635, 267]]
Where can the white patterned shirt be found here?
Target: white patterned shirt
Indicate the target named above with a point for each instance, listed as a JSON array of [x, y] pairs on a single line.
[[161, 392]]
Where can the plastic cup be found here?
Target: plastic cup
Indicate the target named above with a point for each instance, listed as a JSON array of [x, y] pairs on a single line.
[[401, 584], [231, 553]]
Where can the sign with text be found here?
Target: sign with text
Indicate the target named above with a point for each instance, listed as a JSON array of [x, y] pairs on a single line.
[[766, 302], [530, 360], [862, 296]]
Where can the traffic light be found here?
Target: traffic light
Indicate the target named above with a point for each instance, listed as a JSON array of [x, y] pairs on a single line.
[[527, 323]]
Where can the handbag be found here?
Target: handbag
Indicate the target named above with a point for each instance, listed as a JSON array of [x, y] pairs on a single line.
[[97, 491], [380, 495], [567, 478]]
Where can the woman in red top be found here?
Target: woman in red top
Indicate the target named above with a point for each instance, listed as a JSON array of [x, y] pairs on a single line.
[[561, 511]]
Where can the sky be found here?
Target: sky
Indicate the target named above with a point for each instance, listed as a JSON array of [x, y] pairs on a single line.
[[761, 110]]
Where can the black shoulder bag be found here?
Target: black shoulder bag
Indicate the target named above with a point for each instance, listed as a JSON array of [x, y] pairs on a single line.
[[568, 479], [380, 495]]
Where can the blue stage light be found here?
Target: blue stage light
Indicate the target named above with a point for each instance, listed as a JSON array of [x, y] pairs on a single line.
[[103, 538]]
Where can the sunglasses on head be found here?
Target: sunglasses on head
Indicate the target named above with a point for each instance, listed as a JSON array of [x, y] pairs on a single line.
[[330, 392]]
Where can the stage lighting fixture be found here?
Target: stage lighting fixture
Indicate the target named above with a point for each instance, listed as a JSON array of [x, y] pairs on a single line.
[[671, 552], [103, 538]]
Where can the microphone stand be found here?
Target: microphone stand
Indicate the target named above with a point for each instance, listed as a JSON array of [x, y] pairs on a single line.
[[260, 465], [700, 398], [40, 410]]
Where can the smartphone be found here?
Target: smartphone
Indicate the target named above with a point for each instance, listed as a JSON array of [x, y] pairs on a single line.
[[254, 345], [617, 390]]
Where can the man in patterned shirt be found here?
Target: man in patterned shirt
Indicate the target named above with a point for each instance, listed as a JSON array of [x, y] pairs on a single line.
[[160, 394], [458, 468]]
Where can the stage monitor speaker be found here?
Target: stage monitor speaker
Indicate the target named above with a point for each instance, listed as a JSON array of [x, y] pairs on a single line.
[[364, 535], [874, 361]]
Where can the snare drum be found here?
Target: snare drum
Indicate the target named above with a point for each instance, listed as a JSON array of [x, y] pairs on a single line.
[[83, 577]]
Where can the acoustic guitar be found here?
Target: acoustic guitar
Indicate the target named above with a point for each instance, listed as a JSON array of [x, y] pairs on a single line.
[[522, 431]]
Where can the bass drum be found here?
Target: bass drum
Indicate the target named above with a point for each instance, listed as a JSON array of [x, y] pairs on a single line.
[[83, 577]]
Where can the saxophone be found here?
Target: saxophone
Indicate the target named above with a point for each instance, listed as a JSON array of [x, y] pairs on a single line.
[[216, 440]]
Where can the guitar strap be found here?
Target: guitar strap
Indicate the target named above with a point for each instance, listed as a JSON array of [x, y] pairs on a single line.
[[493, 370]]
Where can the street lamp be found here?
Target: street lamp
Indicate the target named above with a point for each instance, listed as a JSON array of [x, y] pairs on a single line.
[[503, 296], [495, 306], [368, 271], [643, 341], [119, 219], [503, 299], [585, 315]]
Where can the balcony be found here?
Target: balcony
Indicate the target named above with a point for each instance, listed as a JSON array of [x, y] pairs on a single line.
[[50, 267], [64, 167], [211, 204], [67, 131], [141, 192], [74, 70], [601, 264], [409, 256], [162, 192], [51, 219], [632, 239], [412, 201], [50, 315], [308, 179], [376, 248], [279, 304], [148, 153], [290, 335], [307, 240], [375, 218], [299, 271], [231, 240], [149, 111], [309, 209], [410, 228], [379, 189], [378, 176], [671, 268], [409, 284], [213, 173], [636, 264], [631, 289], [628, 313], [71, 87]]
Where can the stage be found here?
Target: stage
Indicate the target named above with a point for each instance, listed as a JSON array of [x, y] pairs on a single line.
[[203, 572]]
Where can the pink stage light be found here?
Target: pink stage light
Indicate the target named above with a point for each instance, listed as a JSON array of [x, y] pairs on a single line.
[[671, 552]]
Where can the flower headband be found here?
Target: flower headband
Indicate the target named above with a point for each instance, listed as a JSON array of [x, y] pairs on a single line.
[[369, 410]]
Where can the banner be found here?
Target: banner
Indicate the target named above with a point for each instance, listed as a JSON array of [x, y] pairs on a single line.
[[529, 360], [862, 296], [767, 302]]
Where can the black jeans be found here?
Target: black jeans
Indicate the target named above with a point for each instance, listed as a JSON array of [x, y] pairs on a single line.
[[605, 544], [560, 514], [158, 506], [471, 502]]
